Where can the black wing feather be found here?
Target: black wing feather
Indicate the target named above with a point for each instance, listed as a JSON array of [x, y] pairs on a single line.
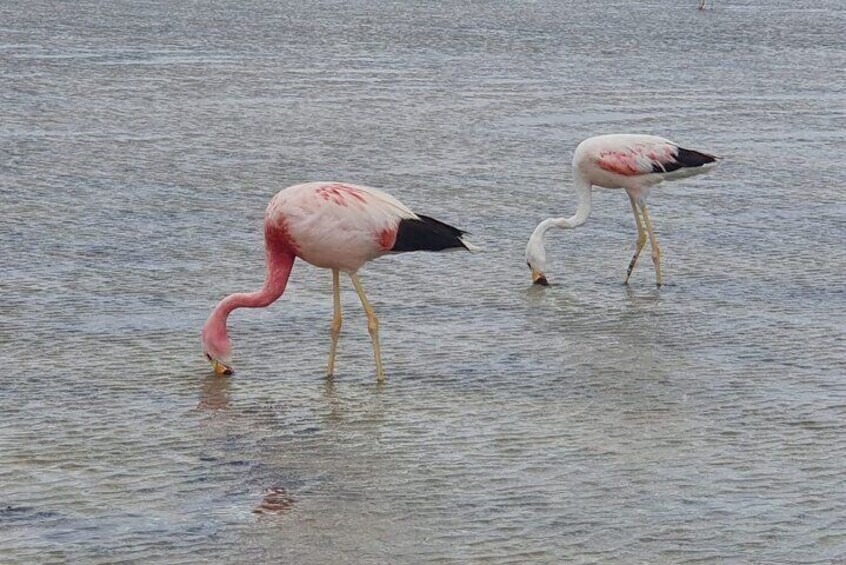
[[426, 234], [685, 158]]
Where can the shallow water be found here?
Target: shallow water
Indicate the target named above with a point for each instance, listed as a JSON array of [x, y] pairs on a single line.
[[585, 422]]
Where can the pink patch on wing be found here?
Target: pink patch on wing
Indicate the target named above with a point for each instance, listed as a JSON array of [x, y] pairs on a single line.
[[387, 238], [621, 163], [338, 193]]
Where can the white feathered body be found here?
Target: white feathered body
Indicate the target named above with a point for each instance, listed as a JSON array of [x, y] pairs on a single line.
[[342, 226], [635, 162]]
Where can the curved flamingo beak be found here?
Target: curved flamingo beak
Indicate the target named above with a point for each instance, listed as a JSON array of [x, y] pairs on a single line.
[[219, 367], [539, 278]]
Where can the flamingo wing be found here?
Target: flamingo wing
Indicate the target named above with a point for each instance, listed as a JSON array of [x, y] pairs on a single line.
[[406, 231], [649, 156], [341, 225]]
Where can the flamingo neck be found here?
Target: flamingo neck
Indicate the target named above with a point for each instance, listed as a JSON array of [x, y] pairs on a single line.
[[580, 217], [280, 259], [583, 211], [535, 250]]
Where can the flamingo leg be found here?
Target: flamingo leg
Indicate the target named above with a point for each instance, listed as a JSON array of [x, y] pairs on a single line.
[[372, 326], [641, 239], [656, 249], [335, 328]]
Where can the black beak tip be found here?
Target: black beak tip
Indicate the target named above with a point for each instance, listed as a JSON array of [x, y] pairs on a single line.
[[541, 281]]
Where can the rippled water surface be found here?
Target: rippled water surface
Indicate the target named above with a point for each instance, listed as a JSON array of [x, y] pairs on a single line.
[[587, 422]]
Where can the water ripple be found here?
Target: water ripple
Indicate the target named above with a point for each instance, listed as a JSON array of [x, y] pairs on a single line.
[[587, 422]]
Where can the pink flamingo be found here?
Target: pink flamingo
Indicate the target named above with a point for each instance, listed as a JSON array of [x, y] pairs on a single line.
[[335, 226], [635, 163]]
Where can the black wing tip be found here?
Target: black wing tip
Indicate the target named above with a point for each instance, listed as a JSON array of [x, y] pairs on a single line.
[[427, 234], [433, 221], [695, 158], [685, 159]]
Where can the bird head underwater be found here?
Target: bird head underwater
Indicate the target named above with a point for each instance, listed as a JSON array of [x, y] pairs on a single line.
[[217, 348], [536, 260]]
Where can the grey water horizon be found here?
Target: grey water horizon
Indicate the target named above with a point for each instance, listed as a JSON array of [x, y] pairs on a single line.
[[586, 422]]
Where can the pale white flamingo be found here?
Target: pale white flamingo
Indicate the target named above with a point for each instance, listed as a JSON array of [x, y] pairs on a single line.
[[335, 226], [635, 163]]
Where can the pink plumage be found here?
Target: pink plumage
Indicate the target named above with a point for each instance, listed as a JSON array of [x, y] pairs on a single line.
[[336, 226], [637, 159]]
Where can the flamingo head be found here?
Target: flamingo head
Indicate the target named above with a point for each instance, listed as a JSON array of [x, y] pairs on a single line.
[[217, 348], [536, 260]]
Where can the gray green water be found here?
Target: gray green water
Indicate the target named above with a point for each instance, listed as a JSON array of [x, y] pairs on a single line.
[[587, 422]]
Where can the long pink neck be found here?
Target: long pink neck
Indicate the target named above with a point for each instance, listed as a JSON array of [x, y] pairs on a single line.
[[280, 259]]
